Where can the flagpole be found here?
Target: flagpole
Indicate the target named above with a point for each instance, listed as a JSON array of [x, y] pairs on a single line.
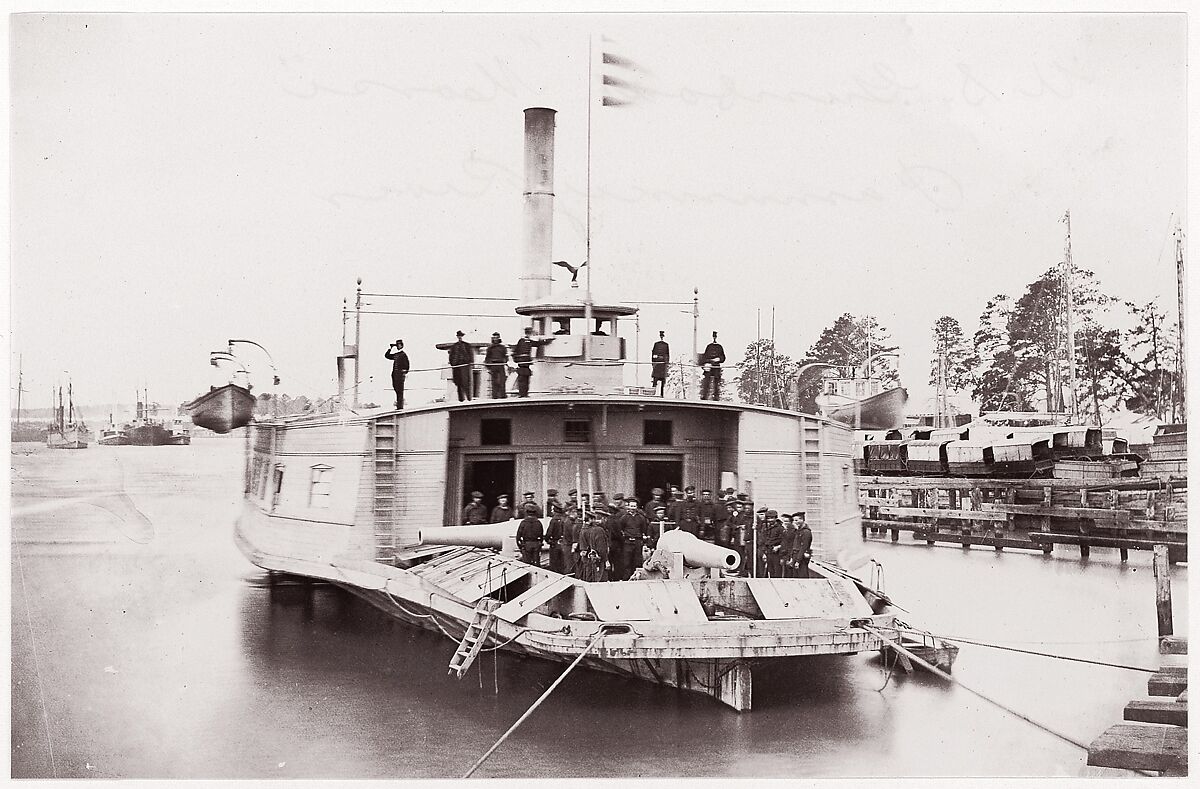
[[587, 294]]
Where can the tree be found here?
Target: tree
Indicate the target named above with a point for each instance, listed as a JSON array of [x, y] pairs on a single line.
[[1151, 362], [765, 376], [848, 344], [950, 344]]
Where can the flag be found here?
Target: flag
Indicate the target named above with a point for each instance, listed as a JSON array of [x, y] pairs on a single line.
[[622, 80]]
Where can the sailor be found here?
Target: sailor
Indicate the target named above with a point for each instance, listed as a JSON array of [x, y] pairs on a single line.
[[785, 545], [756, 540], [660, 358], [616, 554], [529, 537], [770, 545], [560, 537], [529, 502], [741, 526], [462, 363], [593, 552], [523, 356], [496, 361], [686, 512], [676, 494], [656, 501], [553, 505], [658, 520], [713, 516], [572, 498], [802, 545], [635, 530], [502, 512], [711, 361], [475, 513], [399, 358]]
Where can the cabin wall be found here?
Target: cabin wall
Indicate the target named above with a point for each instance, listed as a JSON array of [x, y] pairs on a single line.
[[704, 440], [418, 474], [772, 459], [839, 538]]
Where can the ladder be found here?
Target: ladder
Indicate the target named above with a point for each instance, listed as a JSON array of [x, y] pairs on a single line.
[[477, 632], [384, 488]]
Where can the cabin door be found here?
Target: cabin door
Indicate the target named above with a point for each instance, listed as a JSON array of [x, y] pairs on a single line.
[[656, 472], [491, 476]]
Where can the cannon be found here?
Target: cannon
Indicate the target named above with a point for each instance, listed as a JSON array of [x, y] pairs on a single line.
[[696, 552], [487, 535]]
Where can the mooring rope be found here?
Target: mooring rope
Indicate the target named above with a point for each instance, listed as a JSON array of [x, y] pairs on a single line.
[[958, 639], [595, 640]]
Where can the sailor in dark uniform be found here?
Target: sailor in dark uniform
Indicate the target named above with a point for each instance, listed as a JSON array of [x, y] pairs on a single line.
[[713, 516], [711, 361], [399, 369], [656, 501], [635, 530], [802, 545], [771, 545], [686, 512], [529, 502], [560, 537], [496, 361], [553, 505], [475, 513], [593, 551], [462, 362], [529, 537], [523, 357], [660, 358], [785, 545], [501, 512]]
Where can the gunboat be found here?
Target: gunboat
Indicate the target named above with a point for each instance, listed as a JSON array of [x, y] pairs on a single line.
[[367, 499]]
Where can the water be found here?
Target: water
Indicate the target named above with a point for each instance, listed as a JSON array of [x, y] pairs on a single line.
[[145, 646]]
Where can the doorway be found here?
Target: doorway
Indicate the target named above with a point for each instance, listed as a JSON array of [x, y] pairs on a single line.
[[490, 476], [656, 472]]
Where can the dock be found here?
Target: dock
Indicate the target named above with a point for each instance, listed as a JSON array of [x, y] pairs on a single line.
[[1155, 736], [1030, 514]]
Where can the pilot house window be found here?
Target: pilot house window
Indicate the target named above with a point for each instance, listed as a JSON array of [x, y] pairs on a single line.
[[320, 486], [577, 431], [656, 432]]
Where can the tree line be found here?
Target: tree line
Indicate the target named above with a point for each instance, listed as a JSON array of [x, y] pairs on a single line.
[[1016, 359]]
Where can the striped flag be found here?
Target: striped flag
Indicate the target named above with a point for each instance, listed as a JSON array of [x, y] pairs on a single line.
[[622, 80]]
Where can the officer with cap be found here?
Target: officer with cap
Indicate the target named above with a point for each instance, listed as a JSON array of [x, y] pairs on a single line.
[[553, 505], [529, 502], [802, 545], [475, 513], [785, 546], [711, 361], [560, 537], [462, 363], [523, 357], [686, 512], [660, 358], [502, 512], [635, 530], [530, 537], [770, 545], [399, 358], [496, 362], [656, 500], [713, 517]]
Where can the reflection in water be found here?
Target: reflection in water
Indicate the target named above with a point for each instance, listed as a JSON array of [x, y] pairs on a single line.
[[177, 659]]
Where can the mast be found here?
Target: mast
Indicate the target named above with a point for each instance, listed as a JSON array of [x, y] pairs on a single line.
[[587, 233], [70, 403], [1068, 270], [1181, 383], [20, 384], [357, 344]]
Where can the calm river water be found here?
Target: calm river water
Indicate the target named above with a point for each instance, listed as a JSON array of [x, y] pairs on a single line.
[[145, 646]]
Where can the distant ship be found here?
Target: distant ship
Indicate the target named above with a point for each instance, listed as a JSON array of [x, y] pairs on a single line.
[[65, 432], [146, 429]]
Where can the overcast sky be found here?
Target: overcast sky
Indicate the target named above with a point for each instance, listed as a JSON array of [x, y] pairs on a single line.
[[182, 179]]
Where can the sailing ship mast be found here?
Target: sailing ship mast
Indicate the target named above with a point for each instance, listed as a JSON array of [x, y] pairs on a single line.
[[20, 386], [1067, 283]]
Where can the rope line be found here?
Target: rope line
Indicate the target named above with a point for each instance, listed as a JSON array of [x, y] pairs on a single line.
[[595, 640], [1039, 654], [937, 671]]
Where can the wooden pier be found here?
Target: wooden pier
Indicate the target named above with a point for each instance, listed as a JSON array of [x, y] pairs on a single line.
[[1033, 514], [1155, 739]]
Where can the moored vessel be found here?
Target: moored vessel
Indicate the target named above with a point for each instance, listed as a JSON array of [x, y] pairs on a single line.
[[65, 432], [369, 499]]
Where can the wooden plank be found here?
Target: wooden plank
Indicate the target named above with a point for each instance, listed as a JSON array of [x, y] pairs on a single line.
[[1165, 685], [803, 598], [1096, 541], [619, 601], [1131, 746], [522, 604], [482, 581], [1173, 671], [930, 512], [1162, 591], [975, 539], [674, 601], [1055, 511], [1169, 712]]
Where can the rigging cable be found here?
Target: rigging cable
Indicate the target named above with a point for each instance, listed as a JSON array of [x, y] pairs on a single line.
[[1034, 652], [595, 640]]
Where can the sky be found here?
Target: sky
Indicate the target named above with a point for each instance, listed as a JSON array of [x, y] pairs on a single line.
[[178, 180]]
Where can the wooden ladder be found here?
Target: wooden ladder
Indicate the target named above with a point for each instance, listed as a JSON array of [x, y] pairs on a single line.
[[383, 504], [477, 632]]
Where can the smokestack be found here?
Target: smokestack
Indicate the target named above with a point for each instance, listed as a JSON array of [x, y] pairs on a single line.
[[539, 203]]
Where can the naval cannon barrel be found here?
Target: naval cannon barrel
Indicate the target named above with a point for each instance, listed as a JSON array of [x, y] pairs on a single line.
[[696, 552], [486, 535]]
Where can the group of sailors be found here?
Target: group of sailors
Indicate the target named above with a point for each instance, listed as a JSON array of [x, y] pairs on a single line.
[[496, 362], [602, 539]]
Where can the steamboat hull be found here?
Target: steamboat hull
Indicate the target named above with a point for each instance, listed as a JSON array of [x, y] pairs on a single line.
[[147, 436], [884, 411], [223, 409]]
